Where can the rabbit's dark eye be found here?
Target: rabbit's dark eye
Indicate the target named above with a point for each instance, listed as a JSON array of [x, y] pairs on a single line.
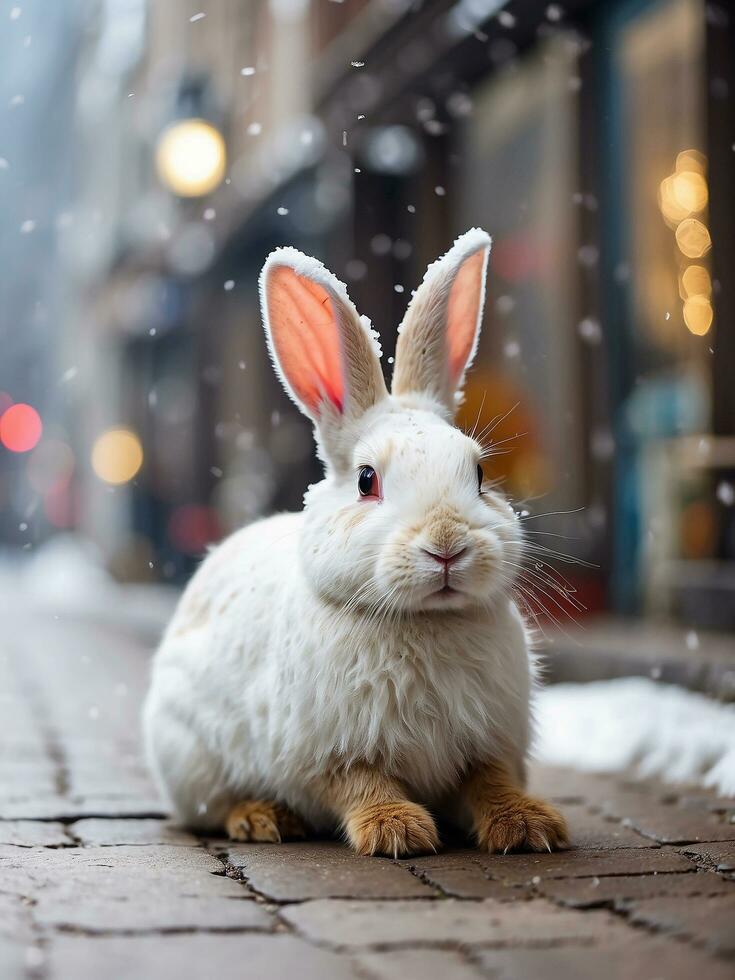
[[480, 477], [367, 482]]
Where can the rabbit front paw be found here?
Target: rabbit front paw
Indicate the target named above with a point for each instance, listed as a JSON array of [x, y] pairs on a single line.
[[394, 828], [263, 821], [523, 824]]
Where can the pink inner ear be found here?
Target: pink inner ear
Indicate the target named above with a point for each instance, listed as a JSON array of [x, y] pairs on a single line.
[[306, 338], [463, 311]]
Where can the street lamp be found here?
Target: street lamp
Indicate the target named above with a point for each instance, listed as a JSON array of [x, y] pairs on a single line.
[[190, 154]]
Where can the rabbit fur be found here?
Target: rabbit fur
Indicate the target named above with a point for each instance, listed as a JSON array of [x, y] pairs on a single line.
[[340, 636]]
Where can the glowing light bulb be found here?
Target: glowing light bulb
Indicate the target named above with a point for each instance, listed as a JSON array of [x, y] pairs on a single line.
[[191, 157], [117, 455]]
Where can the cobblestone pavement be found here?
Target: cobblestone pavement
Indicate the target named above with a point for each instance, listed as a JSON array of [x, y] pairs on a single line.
[[95, 883]]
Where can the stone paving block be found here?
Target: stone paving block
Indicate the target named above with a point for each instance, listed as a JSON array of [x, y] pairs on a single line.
[[297, 871], [55, 807], [721, 857], [522, 868], [708, 922], [106, 832], [637, 959], [353, 924], [617, 890], [678, 825], [466, 879], [193, 957], [142, 909], [566, 785], [129, 888], [593, 831], [418, 964], [33, 833]]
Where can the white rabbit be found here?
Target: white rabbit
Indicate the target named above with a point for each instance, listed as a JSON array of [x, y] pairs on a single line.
[[363, 662]]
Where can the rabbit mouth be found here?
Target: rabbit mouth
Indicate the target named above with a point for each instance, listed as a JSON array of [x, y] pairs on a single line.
[[446, 590]]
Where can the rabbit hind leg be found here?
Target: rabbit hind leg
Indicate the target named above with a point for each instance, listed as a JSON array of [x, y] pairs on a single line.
[[263, 821]]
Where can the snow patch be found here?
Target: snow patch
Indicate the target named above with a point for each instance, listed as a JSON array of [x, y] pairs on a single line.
[[633, 723]]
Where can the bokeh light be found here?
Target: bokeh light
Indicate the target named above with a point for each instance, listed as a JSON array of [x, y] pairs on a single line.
[[191, 157], [695, 281], [117, 455], [698, 315], [20, 428], [693, 238], [690, 191], [192, 527]]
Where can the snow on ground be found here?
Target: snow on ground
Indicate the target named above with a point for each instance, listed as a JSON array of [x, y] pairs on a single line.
[[635, 723]]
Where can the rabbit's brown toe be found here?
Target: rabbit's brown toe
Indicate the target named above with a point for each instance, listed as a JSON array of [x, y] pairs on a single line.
[[523, 824], [394, 828], [263, 821]]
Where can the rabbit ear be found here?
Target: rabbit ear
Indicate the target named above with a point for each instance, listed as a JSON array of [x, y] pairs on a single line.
[[326, 357], [438, 337]]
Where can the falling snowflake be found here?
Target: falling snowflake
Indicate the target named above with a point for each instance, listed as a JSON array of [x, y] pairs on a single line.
[[249, 70], [505, 304], [439, 191], [589, 330], [282, 211], [692, 640], [255, 129], [27, 227], [196, 17], [15, 13], [554, 12], [229, 284], [398, 288], [357, 64], [726, 493], [209, 214], [506, 19]]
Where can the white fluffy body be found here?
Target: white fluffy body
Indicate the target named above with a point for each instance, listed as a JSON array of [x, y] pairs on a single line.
[[332, 636]]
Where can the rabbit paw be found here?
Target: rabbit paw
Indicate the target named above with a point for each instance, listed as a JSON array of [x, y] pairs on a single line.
[[395, 829], [525, 824], [261, 820]]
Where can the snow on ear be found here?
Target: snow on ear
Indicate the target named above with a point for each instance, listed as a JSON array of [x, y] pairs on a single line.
[[438, 337], [326, 357]]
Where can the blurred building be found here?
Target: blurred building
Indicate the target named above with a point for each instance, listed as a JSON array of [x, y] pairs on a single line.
[[594, 140]]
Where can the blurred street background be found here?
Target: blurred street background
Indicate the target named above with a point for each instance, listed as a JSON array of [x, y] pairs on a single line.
[[152, 152]]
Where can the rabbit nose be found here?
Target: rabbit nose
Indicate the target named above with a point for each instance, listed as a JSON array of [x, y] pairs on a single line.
[[443, 558]]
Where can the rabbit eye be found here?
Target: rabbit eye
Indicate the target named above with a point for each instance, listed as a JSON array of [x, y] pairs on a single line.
[[367, 482], [480, 477]]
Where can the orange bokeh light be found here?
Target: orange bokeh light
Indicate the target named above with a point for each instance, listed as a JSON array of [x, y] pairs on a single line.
[[20, 428]]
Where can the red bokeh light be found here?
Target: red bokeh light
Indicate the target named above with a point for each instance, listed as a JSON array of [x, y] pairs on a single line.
[[192, 527], [20, 428]]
